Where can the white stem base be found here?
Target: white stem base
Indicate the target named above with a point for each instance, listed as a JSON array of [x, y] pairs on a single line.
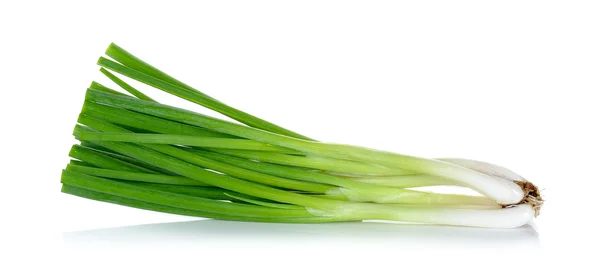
[[505, 218]]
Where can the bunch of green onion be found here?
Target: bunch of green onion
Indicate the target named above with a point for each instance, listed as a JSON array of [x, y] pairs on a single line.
[[136, 152]]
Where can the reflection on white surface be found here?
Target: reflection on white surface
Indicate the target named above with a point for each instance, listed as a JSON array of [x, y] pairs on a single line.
[[215, 231]]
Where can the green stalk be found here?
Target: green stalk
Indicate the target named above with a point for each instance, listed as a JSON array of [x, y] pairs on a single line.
[[208, 163], [206, 192], [135, 176], [126, 159], [105, 151], [134, 192], [100, 87], [180, 140], [126, 86], [191, 171], [146, 122], [138, 70], [169, 183], [247, 199], [314, 162], [253, 176], [110, 114], [98, 196], [101, 160], [133, 120], [278, 170], [129, 60], [503, 192], [80, 163], [292, 173]]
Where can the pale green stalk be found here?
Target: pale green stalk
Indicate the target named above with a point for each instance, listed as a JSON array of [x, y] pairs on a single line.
[[405, 181], [314, 162]]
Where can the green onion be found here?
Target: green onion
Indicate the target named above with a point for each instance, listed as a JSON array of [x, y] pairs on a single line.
[[145, 122], [103, 161], [100, 87], [139, 153], [179, 139], [125, 85], [107, 152], [160, 80], [134, 176], [99, 196]]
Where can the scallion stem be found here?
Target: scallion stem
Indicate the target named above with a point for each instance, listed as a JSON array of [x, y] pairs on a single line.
[[125, 85], [187, 140], [99, 196], [405, 181], [134, 176]]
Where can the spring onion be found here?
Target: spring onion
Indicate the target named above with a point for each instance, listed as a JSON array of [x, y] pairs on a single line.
[[137, 152]]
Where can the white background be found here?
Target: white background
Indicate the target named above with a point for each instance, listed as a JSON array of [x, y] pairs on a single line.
[[509, 82]]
